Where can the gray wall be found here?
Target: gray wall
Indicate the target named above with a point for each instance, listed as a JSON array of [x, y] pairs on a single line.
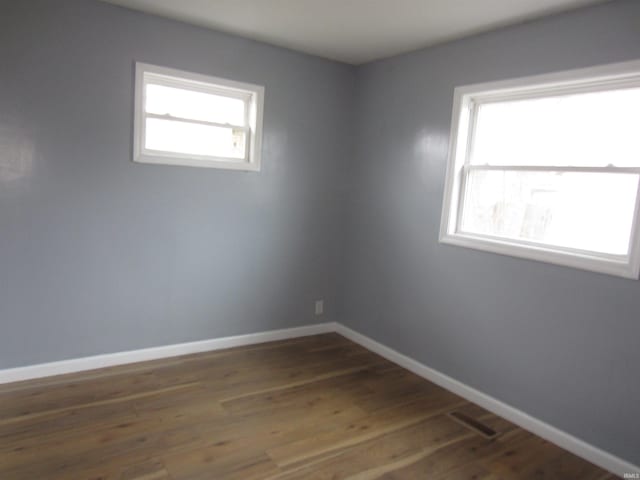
[[99, 254], [560, 344]]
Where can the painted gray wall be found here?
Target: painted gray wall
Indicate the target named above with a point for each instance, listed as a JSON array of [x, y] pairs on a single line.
[[558, 343], [99, 254]]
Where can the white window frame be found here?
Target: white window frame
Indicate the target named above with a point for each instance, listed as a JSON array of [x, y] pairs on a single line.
[[253, 95], [465, 102]]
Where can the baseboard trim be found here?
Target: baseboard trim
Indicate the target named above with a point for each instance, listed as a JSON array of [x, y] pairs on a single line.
[[121, 358], [554, 435], [562, 439]]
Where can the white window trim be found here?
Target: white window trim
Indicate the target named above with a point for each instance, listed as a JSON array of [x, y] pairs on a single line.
[[589, 79], [254, 94]]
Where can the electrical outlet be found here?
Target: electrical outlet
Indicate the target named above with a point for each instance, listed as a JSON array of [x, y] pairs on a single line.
[[319, 307]]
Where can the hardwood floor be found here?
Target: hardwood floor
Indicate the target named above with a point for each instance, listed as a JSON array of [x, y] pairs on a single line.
[[310, 408]]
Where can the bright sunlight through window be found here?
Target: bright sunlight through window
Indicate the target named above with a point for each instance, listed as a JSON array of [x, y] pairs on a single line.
[[548, 168], [188, 119]]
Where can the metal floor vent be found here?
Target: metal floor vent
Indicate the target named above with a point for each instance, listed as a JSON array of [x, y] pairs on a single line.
[[473, 424]]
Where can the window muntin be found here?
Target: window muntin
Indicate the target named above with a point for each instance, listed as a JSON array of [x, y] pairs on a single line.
[[548, 168], [189, 119]]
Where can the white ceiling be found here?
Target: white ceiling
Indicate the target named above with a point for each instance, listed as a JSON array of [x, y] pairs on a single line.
[[353, 31]]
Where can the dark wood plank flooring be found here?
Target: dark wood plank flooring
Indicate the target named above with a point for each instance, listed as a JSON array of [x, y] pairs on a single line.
[[310, 408]]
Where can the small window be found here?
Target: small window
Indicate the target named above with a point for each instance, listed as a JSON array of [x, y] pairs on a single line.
[[548, 168], [183, 118]]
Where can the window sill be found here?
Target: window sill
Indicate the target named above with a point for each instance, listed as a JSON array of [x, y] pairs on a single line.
[[625, 267], [186, 161]]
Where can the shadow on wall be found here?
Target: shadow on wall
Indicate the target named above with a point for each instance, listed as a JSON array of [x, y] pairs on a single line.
[[16, 154]]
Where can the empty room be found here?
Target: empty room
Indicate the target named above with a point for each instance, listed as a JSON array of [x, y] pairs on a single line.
[[319, 239]]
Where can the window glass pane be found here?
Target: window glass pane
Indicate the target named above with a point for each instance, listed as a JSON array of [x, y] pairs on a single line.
[[586, 211], [181, 103], [195, 139], [590, 129]]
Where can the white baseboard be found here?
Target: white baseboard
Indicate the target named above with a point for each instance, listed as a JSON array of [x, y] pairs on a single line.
[[154, 353], [570, 443]]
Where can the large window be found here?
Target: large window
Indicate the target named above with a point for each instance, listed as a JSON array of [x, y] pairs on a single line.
[[548, 168], [183, 118]]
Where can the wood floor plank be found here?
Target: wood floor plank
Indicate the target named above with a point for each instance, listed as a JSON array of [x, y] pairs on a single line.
[[31, 416], [318, 408], [366, 428], [69, 395], [325, 387], [371, 458], [151, 470], [535, 458], [58, 422], [230, 399], [220, 461]]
